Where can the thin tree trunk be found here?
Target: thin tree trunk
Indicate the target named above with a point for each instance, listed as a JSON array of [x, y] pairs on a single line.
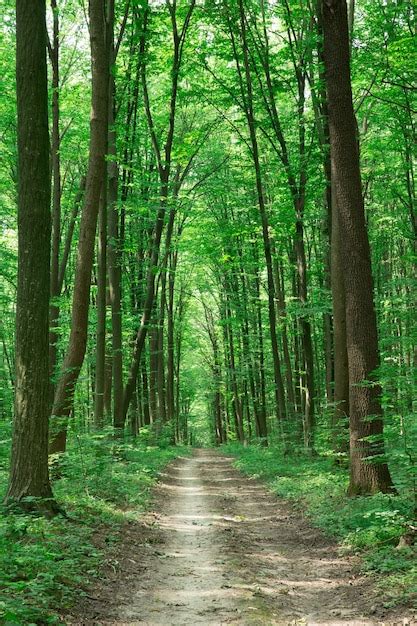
[[261, 426]]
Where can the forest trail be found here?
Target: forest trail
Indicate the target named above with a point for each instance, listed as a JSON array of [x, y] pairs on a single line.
[[220, 549]]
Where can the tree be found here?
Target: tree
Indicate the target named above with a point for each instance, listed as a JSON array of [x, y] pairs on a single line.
[[29, 475], [368, 470], [74, 358]]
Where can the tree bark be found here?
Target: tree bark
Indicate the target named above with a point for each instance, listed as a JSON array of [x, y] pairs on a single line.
[[362, 341], [29, 475]]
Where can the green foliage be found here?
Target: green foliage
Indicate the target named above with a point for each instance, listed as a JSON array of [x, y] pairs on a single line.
[[370, 526], [46, 563]]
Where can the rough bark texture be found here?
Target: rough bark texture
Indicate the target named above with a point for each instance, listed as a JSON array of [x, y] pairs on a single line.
[[74, 358], [361, 329], [29, 459]]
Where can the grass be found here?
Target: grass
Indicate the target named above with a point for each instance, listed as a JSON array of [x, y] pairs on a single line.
[[369, 526], [45, 564]]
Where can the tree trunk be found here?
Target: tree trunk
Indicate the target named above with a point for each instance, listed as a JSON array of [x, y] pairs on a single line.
[[362, 341], [29, 475], [64, 395]]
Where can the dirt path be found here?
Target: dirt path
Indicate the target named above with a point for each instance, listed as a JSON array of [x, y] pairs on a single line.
[[221, 550]]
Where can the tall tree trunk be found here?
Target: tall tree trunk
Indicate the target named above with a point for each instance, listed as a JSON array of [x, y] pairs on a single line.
[[338, 361], [362, 341], [29, 475], [306, 340], [64, 395]]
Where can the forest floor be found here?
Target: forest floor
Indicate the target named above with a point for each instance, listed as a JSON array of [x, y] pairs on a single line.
[[218, 548]]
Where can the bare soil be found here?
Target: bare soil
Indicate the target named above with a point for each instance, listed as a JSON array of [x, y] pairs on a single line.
[[219, 549]]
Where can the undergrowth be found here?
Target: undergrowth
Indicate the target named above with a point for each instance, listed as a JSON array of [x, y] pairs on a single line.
[[369, 526], [45, 564]]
